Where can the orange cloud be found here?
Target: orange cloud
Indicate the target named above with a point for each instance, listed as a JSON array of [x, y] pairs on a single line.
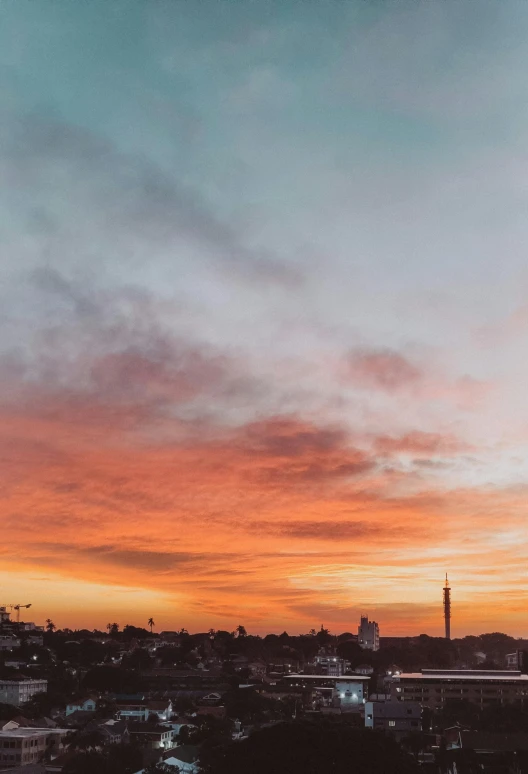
[[279, 522]]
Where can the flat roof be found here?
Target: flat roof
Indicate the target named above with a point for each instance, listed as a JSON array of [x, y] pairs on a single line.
[[515, 678], [341, 678], [24, 732]]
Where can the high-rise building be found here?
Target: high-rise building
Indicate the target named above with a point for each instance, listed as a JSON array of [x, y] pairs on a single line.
[[368, 634]]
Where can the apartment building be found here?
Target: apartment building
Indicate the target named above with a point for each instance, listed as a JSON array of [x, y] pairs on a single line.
[[368, 634], [22, 746], [433, 687], [19, 690]]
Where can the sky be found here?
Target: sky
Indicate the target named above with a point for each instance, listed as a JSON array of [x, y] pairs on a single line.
[[263, 313]]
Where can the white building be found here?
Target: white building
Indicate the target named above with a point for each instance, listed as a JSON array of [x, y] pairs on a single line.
[[8, 642], [17, 692], [351, 693], [22, 746], [368, 634], [330, 665], [141, 709], [399, 718]]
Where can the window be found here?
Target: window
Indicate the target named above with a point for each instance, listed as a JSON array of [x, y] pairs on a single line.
[[392, 723]]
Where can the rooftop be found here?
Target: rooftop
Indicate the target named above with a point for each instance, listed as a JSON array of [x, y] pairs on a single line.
[[23, 733], [340, 679], [477, 675]]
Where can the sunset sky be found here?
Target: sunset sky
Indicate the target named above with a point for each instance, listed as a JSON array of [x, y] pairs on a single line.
[[264, 313]]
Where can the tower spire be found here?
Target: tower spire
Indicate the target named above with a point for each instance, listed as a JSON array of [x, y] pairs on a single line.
[[447, 609]]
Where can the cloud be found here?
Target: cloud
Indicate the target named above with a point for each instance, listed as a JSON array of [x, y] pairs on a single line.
[[111, 206], [420, 443], [382, 369], [330, 529]]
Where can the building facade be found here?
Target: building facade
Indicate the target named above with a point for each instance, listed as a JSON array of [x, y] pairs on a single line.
[[368, 634], [434, 687], [394, 717], [330, 665], [22, 746], [17, 692]]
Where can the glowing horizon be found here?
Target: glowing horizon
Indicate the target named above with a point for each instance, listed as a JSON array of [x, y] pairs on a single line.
[[263, 314]]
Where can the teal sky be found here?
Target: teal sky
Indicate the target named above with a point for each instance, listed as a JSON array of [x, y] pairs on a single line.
[[219, 215]]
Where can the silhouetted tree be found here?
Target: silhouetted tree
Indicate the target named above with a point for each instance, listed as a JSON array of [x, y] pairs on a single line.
[[308, 747]]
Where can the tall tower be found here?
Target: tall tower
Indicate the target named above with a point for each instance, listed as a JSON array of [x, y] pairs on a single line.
[[447, 609]]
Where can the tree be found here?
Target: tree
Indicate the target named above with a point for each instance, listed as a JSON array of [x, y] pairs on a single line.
[[88, 740], [323, 636], [113, 628], [241, 631], [41, 704], [309, 747], [50, 626], [150, 623], [115, 759], [161, 768], [8, 711]]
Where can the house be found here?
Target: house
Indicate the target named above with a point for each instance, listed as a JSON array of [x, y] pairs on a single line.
[[178, 723], [85, 704], [395, 717], [9, 642], [210, 699], [111, 731], [185, 758], [78, 719], [217, 712], [141, 709], [19, 721], [152, 735]]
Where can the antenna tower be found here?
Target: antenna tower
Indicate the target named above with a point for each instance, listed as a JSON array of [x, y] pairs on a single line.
[[447, 609]]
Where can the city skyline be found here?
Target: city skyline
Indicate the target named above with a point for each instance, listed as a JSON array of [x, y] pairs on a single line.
[[263, 313]]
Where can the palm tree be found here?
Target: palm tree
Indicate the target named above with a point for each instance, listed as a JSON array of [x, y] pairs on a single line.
[[151, 623], [50, 626]]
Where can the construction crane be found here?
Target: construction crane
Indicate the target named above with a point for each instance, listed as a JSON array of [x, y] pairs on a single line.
[[18, 608]]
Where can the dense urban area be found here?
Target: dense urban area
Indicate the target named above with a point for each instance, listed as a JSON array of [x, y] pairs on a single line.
[[131, 700]]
